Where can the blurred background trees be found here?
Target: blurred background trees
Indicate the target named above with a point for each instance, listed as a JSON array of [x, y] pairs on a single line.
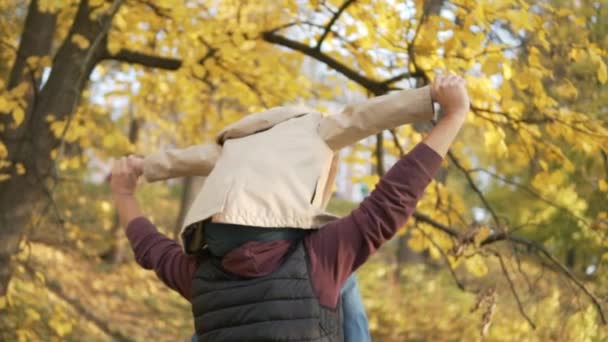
[[508, 243]]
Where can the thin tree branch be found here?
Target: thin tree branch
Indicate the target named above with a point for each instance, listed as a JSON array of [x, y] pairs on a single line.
[[563, 269], [505, 272], [375, 87], [530, 192], [531, 245], [459, 283], [160, 12], [332, 21], [135, 57], [396, 142], [475, 188], [379, 154], [401, 76]]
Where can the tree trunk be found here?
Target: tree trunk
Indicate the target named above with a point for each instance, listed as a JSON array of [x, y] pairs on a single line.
[[36, 40], [31, 143]]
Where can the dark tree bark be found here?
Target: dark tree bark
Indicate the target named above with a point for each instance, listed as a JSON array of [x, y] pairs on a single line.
[[36, 40], [31, 143]]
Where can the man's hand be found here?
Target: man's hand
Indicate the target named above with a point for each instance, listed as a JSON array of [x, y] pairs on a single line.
[[451, 93], [124, 176], [123, 182]]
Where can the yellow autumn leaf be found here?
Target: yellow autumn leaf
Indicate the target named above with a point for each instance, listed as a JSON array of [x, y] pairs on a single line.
[[81, 41], [120, 22], [24, 335], [3, 151], [31, 315], [199, 70], [18, 115], [248, 45], [603, 185], [506, 71], [417, 241], [114, 46], [567, 90], [3, 302], [476, 266], [20, 169], [4, 104], [106, 206], [60, 326], [492, 64], [602, 73]]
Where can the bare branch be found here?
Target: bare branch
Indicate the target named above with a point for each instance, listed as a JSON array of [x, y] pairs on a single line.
[[375, 87], [402, 76], [134, 57], [159, 11], [531, 245], [332, 21], [505, 272], [379, 154], [563, 269], [530, 192], [475, 188], [447, 262], [397, 143]]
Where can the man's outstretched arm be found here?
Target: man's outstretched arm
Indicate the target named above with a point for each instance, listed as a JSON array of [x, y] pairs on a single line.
[[340, 247], [153, 250]]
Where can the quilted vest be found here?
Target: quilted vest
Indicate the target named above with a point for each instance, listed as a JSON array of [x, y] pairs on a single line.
[[280, 306]]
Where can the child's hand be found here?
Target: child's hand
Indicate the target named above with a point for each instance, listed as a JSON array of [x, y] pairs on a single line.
[[451, 93], [137, 163]]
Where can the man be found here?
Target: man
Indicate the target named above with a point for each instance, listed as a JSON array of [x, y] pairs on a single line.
[[286, 289], [258, 176]]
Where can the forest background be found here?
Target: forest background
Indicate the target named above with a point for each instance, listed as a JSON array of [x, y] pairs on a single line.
[[509, 243]]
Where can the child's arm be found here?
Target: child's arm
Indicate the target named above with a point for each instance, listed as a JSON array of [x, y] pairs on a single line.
[[196, 160], [374, 115]]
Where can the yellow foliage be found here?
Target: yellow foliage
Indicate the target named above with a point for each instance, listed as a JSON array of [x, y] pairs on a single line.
[[476, 265], [535, 68], [81, 41], [3, 150], [18, 115], [603, 185]]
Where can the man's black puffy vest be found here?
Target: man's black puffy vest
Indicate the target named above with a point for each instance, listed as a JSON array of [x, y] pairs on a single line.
[[278, 307]]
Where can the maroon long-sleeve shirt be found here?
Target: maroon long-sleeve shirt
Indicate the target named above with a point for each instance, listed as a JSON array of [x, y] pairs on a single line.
[[335, 250]]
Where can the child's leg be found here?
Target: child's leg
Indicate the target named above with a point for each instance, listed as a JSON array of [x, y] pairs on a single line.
[[354, 320]]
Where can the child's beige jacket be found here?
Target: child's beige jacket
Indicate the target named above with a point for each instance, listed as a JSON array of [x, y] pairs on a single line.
[[276, 168]]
